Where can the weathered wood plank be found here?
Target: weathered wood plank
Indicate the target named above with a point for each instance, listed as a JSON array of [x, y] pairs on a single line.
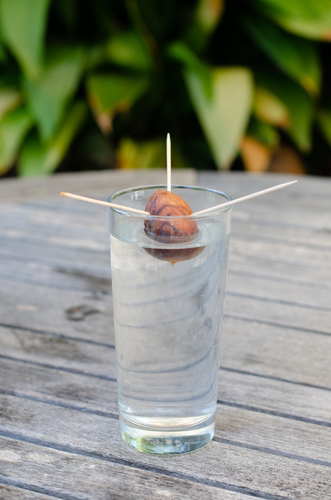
[[64, 353], [315, 215], [49, 310], [263, 349], [262, 267], [39, 307], [67, 264], [236, 183], [47, 225], [269, 395], [253, 250], [256, 347], [45, 243], [273, 417], [311, 295], [54, 212], [47, 307], [269, 434], [298, 356], [73, 277], [82, 392], [293, 235], [295, 247], [80, 237], [78, 476], [18, 190], [243, 390], [64, 214], [240, 183], [305, 204], [243, 464], [305, 282], [57, 387], [97, 278], [289, 315], [265, 288], [242, 213], [281, 251], [262, 286], [41, 219], [12, 492]]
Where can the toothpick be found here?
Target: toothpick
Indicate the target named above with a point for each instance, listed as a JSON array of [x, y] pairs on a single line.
[[244, 198], [201, 212], [168, 163], [104, 203]]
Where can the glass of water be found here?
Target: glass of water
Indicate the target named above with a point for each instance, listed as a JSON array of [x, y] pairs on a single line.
[[168, 313]]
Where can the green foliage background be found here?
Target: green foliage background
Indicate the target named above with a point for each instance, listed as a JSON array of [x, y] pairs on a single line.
[[97, 84]]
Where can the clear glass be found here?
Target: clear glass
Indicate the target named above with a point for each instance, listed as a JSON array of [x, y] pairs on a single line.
[[168, 312]]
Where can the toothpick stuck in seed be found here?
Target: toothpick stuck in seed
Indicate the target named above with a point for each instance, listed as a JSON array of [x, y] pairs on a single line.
[[168, 163], [104, 203], [201, 212], [244, 198]]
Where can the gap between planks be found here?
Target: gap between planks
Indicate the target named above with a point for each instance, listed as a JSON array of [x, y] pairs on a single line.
[[247, 234], [236, 386], [222, 368], [115, 416], [229, 292], [150, 467]]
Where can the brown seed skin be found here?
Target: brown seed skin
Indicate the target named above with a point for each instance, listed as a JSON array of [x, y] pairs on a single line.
[[168, 204]]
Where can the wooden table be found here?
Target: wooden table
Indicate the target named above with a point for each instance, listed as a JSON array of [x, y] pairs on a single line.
[[59, 427]]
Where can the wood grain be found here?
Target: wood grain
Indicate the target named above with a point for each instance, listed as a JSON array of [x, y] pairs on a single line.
[[98, 437], [59, 428], [87, 183], [99, 476]]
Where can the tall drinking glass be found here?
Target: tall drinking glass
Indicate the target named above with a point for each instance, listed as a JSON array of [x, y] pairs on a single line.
[[168, 301]]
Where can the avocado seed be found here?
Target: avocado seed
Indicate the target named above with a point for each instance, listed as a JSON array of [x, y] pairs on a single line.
[[167, 204]]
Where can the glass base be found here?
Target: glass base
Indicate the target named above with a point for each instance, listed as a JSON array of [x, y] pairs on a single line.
[[165, 441]]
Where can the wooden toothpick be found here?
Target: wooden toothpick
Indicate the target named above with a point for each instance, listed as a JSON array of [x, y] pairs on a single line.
[[104, 203], [244, 198], [168, 163], [201, 212]]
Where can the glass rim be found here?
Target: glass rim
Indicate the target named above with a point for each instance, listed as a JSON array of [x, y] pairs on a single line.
[[218, 211]]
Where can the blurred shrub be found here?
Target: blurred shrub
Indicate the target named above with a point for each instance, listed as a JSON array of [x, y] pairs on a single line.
[[101, 83]]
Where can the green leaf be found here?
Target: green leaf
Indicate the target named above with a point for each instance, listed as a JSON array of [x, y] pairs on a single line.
[[324, 122], [310, 19], [225, 114], [295, 56], [10, 98], [180, 52], [49, 94], [206, 16], [264, 133], [110, 94], [13, 129], [2, 48], [23, 26], [298, 104], [147, 154], [270, 109], [208, 13], [40, 159], [128, 49]]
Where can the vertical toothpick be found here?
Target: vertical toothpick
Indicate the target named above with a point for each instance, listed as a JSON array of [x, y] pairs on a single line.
[[168, 163]]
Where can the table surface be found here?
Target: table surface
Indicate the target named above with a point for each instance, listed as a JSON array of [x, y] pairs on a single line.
[[59, 428]]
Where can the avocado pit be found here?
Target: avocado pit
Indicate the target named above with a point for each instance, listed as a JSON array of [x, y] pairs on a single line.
[[176, 230]]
